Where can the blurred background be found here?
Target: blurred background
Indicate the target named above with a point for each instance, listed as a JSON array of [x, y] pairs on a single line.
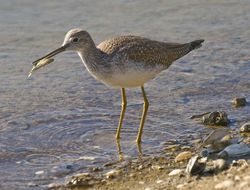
[[62, 120]]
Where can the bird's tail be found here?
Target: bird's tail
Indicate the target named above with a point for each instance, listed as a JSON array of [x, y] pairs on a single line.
[[196, 44]]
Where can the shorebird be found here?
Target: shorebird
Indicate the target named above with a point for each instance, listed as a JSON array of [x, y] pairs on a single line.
[[123, 62]]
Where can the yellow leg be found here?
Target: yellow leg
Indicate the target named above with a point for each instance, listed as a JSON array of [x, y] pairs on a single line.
[[120, 153], [144, 114], [124, 104]]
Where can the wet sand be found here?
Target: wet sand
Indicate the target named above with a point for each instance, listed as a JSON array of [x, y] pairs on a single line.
[[62, 121]]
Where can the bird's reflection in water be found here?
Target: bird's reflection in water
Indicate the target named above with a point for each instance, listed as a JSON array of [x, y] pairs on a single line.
[[120, 153]]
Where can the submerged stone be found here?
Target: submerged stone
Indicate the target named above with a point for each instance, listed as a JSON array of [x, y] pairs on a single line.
[[239, 102]]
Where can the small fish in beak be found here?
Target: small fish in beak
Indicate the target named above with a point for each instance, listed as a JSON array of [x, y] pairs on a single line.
[[47, 59], [40, 64]]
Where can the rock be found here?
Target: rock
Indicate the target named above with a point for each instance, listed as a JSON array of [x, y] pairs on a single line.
[[235, 150], [224, 185], [220, 165], [216, 136], [245, 128], [175, 172], [195, 165], [239, 102], [113, 173], [186, 155], [217, 118]]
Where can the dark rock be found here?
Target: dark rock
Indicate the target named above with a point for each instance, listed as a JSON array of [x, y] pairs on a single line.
[[217, 118], [239, 102], [195, 165]]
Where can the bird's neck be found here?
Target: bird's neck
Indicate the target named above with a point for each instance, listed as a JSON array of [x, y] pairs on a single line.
[[93, 58]]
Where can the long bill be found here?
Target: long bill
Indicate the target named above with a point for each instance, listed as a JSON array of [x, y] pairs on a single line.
[[52, 54]]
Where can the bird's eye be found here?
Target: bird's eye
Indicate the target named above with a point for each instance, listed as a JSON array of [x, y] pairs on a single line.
[[75, 40]]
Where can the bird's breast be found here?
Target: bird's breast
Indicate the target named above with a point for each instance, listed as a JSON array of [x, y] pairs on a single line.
[[131, 75]]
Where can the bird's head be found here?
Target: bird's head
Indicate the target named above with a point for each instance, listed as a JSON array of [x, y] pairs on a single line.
[[75, 40]]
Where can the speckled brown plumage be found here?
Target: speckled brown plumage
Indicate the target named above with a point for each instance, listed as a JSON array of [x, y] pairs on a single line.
[[140, 49]]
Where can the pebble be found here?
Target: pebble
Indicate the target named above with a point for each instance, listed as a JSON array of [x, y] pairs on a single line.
[[180, 186], [186, 148], [236, 178], [175, 172], [225, 184], [113, 173], [87, 158], [241, 164], [140, 167], [159, 181], [245, 128], [39, 172], [157, 167], [186, 155], [32, 184], [54, 186], [220, 165], [239, 102]]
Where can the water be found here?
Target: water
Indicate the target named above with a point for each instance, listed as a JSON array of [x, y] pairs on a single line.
[[63, 121]]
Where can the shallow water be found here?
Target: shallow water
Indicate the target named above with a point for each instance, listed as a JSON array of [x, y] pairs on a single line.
[[62, 120]]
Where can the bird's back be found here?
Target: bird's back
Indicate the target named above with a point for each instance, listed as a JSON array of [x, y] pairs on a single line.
[[139, 49]]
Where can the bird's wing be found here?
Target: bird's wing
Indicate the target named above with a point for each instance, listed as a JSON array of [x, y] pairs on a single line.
[[113, 45], [140, 49]]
